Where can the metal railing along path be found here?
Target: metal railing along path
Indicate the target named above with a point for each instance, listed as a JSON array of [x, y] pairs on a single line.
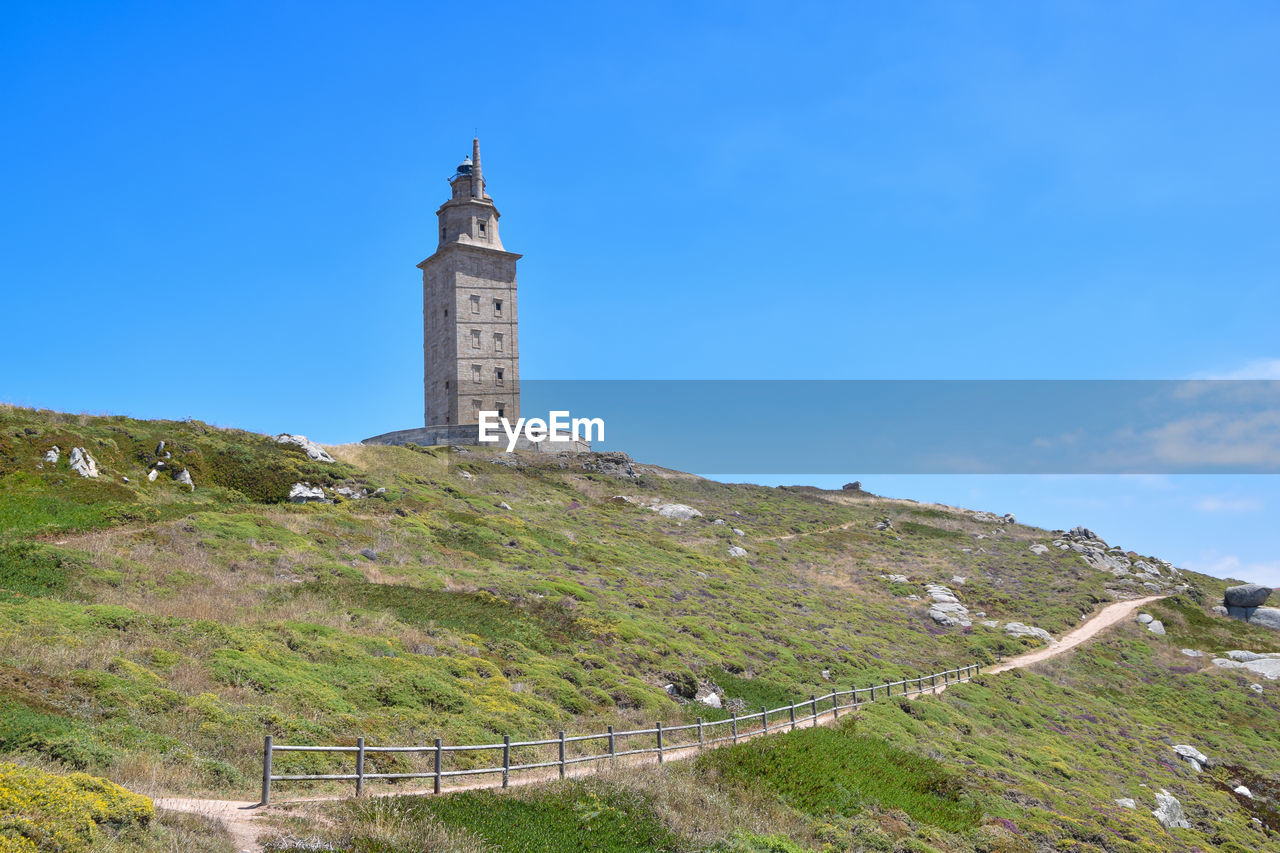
[[570, 750]]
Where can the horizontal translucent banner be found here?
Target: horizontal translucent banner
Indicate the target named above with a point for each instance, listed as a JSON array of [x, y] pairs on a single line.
[[928, 427]]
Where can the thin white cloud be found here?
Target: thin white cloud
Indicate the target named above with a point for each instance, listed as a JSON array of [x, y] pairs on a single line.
[[1259, 368], [1220, 503], [1230, 566]]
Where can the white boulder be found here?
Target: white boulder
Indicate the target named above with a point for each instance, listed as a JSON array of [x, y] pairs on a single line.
[[1017, 629], [678, 512], [1194, 757], [1155, 626], [1169, 811], [1145, 618], [1127, 803], [1243, 791], [183, 478], [735, 551], [303, 493], [82, 463], [1039, 549], [52, 455], [313, 450]]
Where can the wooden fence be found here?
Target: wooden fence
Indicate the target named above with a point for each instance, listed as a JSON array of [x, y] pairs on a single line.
[[569, 750]]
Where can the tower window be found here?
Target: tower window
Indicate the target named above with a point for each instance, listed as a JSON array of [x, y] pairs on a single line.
[[497, 375], [475, 339], [481, 225], [475, 305], [446, 385], [497, 342], [446, 312], [442, 233], [497, 307], [502, 410]]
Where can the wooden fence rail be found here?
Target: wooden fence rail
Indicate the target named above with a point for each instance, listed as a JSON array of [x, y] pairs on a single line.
[[610, 744]]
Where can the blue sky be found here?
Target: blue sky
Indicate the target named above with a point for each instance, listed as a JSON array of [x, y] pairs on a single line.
[[214, 210]]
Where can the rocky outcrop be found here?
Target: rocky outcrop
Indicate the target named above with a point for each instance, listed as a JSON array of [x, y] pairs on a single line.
[[52, 455], [1244, 602], [82, 463], [1193, 756], [1246, 595], [304, 493], [677, 512], [1018, 630], [313, 450], [1169, 811], [183, 478], [946, 608], [1266, 665], [1039, 549], [1266, 617], [735, 551]]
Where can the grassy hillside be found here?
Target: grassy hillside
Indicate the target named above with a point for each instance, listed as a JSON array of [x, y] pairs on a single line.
[[153, 633]]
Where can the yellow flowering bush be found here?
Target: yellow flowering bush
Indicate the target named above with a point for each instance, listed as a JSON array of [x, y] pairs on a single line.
[[42, 811]]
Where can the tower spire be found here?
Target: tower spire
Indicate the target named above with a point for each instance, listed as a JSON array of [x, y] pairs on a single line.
[[477, 180]]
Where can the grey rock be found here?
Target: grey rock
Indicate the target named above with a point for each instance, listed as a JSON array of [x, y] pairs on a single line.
[[738, 532], [1008, 518], [990, 623], [504, 505], [956, 579], [1126, 803], [1267, 617], [1193, 756], [1082, 534], [82, 463], [1155, 626], [466, 475], [1017, 629], [719, 522], [884, 524], [1039, 549], [897, 578], [1169, 811], [303, 493], [950, 614], [381, 490], [160, 447], [1243, 791], [1192, 653], [1145, 618], [826, 675], [313, 450], [1256, 688], [1220, 610], [1246, 595], [350, 493], [679, 512], [735, 551], [1244, 656], [124, 479], [52, 455], [369, 554], [710, 698], [151, 478], [183, 477]]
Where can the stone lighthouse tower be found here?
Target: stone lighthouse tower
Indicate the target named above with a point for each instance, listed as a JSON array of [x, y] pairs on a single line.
[[470, 347]]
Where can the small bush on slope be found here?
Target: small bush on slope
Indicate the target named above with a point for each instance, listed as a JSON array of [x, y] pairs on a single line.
[[40, 811]]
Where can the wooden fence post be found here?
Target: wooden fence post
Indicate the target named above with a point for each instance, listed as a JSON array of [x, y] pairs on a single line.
[[506, 760], [613, 746], [435, 785], [764, 719], [700, 741], [813, 701], [659, 741], [835, 705], [266, 770], [359, 766], [562, 755], [733, 719], [793, 716]]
